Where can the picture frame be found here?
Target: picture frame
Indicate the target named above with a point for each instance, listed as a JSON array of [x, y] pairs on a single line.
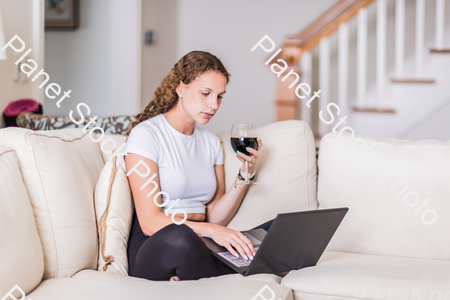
[[61, 14]]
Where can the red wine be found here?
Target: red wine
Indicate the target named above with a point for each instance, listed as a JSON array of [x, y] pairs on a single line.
[[239, 144]]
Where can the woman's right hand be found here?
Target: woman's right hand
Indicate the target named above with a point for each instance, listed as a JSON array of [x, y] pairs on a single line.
[[232, 239]]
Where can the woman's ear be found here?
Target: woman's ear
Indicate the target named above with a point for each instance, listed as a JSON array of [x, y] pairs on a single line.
[[180, 88]]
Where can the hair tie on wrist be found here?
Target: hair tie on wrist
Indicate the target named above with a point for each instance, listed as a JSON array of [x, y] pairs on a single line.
[[242, 177]]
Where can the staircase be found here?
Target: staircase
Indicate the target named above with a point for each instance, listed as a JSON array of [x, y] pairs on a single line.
[[382, 62]]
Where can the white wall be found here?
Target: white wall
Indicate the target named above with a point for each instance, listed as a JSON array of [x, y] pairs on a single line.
[[99, 61], [434, 125], [25, 20], [158, 58], [229, 29], [82, 60]]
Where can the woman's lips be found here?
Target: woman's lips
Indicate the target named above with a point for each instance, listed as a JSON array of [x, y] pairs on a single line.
[[208, 116]]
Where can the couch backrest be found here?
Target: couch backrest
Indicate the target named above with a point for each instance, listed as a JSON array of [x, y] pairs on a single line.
[[60, 169], [397, 191], [21, 257], [110, 142], [286, 172]]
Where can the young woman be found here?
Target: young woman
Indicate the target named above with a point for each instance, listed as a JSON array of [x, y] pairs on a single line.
[[189, 164]]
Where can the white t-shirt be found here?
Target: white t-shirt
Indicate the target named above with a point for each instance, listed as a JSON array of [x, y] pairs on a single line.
[[185, 162]]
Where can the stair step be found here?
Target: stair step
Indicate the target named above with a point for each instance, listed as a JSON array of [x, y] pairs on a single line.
[[374, 110], [412, 80], [440, 50]]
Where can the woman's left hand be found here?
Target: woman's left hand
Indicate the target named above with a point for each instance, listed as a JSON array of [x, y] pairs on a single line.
[[251, 159]]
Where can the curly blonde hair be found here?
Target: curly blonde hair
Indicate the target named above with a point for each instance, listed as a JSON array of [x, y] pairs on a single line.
[[187, 69]]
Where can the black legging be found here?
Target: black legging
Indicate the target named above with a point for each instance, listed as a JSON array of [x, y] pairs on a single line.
[[175, 250]]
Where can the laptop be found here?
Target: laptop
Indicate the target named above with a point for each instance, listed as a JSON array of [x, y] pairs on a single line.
[[294, 241]]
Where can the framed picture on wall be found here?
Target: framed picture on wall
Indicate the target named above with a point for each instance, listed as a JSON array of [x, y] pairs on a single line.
[[61, 14]]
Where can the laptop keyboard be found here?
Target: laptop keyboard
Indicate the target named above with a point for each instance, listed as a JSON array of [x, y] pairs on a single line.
[[237, 261]]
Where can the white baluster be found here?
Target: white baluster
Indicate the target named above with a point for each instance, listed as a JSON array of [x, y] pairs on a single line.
[[361, 80], [420, 33], [306, 67], [343, 69], [399, 37], [381, 51], [440, 15], [324, 81]]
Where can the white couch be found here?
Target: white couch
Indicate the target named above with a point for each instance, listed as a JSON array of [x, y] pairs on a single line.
[[382, 250]]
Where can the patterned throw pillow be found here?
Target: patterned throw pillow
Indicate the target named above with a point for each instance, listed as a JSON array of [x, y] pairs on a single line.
[[111, 125]]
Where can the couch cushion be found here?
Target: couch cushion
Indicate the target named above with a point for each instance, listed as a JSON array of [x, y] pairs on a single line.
[[340, 275], [115, 286], [268, 278], [60, 169], [114, 211], [109, 143], [286, 172], [21, 257], [386, 185]]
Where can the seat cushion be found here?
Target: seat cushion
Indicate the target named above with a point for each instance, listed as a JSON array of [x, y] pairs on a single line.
[[114, 211], [267, 278], [286, 172], [397, 192], [21, 257], [60, 169], [341, 275], [113, 286]]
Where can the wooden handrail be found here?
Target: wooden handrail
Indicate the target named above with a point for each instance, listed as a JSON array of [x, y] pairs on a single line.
[[323, 26], [294, 46], [328, 22]]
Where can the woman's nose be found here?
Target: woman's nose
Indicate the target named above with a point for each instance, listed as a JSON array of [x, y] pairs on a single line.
[[214, 104]]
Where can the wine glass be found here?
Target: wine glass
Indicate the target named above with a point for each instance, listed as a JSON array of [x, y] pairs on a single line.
[[244, 135]]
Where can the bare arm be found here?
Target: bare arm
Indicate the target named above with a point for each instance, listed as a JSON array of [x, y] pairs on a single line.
[[221, 209], [152, 219], [223, 206]]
